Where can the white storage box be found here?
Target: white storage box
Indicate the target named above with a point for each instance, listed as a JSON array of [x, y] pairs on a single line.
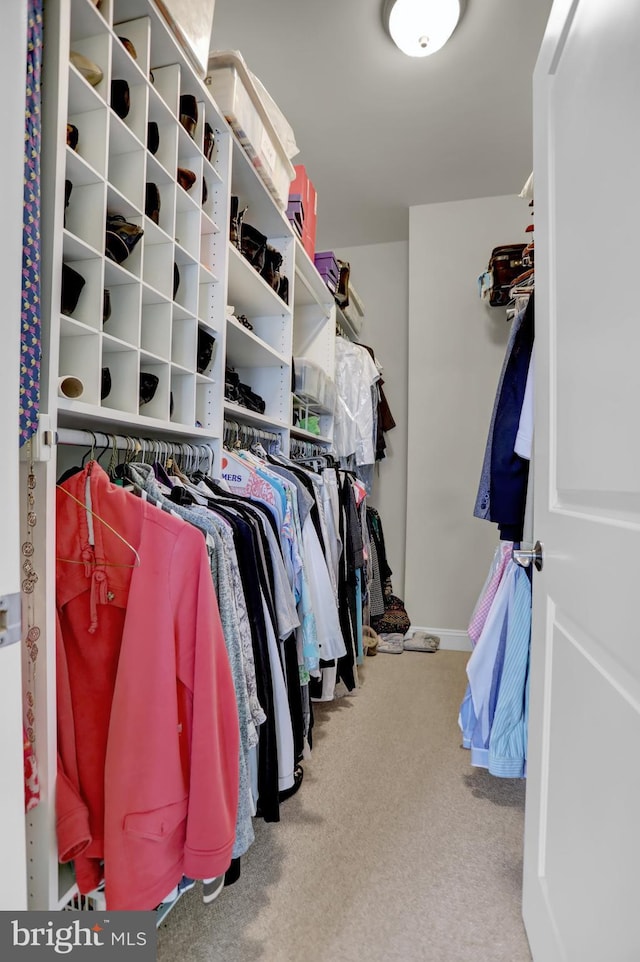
[[235, 93], [354, 312]]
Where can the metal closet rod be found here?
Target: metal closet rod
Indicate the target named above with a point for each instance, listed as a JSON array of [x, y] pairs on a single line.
[[235, 431], [134, 445]]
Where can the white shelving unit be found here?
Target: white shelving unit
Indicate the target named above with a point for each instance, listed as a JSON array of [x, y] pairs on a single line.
[[153, 327]]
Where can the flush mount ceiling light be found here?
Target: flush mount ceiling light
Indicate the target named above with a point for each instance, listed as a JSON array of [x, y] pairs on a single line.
[[420, 27]]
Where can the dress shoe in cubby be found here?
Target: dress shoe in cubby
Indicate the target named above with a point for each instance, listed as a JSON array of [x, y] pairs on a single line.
[[120, 98], [189, 113], [72, 284]]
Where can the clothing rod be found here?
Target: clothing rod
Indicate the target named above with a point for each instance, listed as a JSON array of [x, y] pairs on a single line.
[[129, 443], [235, 430]]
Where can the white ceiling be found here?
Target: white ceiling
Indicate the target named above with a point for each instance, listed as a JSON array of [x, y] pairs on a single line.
[[379, 131]]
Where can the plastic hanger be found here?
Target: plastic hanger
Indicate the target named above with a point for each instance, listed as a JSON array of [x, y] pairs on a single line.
[[108, 564]]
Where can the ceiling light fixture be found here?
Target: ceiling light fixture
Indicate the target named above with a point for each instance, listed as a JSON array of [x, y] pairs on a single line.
[[420, 27]]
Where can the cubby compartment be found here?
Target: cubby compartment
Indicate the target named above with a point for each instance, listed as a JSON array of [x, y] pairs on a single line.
[[126, 165], [187, 294], [207, 404], [85, 213], [208, 360], [132, 264], [207, 302], [155, 334], [158, 406], [208, 251], [122, 365], [188, 232], [86, 21], [97, 50], [166, 83], [182, 399], [190, 158], [164, 161], [88, 308], [135, 118], [138, 33], [158, 176], [124, 321], [90, 120], [79, 357], [158, 268], [184, 342]]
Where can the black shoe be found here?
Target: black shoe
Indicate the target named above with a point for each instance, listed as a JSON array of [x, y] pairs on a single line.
[[106, 305], [68, 187], [148, 386], [206, 343], [105, 387], [189, 113], [152, 202], [153, 137], [120, 98], [72, 284], [72, 136]]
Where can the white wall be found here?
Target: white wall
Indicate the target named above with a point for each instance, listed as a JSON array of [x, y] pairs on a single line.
[[456, 349], [379, 273]]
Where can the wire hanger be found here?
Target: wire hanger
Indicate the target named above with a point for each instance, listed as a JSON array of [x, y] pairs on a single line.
[[107, 564]]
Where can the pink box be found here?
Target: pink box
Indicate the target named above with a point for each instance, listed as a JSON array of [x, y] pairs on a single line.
[[303, 187]]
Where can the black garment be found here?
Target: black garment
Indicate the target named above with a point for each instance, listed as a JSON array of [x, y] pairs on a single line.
[[352, 559], [510, 472]]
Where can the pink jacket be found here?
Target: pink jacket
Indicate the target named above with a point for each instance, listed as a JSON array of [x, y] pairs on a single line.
[[147, 715]]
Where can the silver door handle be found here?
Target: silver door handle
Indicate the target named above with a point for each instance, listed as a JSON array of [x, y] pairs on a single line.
[[524, 556]]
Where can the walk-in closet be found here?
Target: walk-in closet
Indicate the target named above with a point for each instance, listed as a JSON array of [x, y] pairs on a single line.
[[317, 619]]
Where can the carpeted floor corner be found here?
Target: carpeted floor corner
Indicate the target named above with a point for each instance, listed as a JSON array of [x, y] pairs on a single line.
[[394, 850]]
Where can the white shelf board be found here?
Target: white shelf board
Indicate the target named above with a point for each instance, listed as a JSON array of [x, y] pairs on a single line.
[[343, 321], [75, 249], [83, 98], [79, 172], [309, 286], [235, 412], [76, 414], [249, 292], [308, 436], [245, 349]]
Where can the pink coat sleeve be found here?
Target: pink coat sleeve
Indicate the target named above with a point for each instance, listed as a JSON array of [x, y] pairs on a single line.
[[210, 755], [73, 827]]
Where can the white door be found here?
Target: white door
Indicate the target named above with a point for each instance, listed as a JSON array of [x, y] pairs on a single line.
[[582, 831], [13, 881]]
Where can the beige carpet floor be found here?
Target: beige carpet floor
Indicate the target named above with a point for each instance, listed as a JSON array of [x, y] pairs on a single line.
[[394, 850]]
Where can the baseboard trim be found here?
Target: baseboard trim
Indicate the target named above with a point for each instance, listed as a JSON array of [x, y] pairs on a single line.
[[450, 640]]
